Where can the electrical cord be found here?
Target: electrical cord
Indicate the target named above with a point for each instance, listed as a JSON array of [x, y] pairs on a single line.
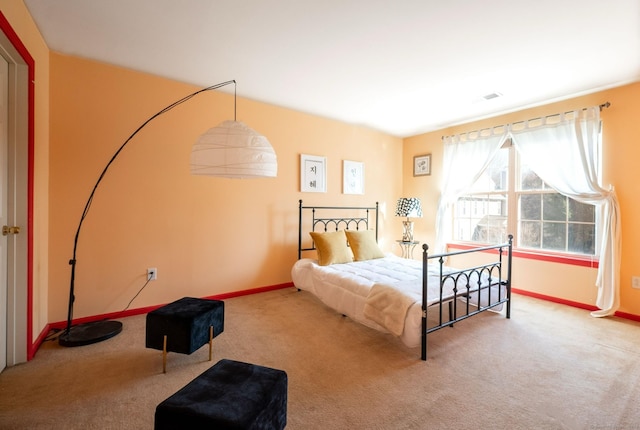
[[134, 297], [55, 333]]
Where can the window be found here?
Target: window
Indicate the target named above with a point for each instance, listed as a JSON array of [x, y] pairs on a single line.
[[510, 198], [481, 215]]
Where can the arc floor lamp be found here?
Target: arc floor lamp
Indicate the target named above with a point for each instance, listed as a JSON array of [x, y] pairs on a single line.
[[231, 150]]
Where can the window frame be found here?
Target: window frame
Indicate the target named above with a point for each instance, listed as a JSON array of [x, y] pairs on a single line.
[[513, 194]]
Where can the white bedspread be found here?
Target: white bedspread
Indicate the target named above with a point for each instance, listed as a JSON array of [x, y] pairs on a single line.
[[384, 293], [345, 288], [388, 304]]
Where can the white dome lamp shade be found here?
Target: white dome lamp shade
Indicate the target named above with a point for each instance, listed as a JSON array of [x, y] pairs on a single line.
[[233, 150]]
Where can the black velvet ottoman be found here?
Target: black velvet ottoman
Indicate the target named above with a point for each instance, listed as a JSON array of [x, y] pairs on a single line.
[[229, 395], [184, 326]]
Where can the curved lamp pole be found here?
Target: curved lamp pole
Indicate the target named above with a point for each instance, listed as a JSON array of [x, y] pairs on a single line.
[[93, 332]]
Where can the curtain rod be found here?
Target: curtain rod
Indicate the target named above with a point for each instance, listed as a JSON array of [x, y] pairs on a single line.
[[601, 106]]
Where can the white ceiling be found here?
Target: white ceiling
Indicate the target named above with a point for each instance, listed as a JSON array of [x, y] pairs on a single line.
[[403, 67]]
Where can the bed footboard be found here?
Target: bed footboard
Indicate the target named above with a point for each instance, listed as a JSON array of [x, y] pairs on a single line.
[[483, 287]]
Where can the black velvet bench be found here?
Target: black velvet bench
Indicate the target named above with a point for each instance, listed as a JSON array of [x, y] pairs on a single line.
[[229, 395], [184, 326]]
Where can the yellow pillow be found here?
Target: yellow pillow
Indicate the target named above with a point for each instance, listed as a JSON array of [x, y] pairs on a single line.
[[331, 247], [363, 244]]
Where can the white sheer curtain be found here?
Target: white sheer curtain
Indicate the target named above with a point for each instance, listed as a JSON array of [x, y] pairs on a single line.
[[463, 163], [566, 155]]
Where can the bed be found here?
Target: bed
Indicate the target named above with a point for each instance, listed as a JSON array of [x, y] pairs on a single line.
[[407, 298]]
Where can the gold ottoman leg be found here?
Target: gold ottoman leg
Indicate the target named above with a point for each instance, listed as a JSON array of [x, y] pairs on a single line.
[[164, 355], [210, 342]]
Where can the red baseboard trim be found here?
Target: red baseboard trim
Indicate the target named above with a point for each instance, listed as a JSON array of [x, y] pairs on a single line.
[[571, 303], [39, 341], [251, 291], [62, 324], [59, 325], [628, 316], [554, 299]]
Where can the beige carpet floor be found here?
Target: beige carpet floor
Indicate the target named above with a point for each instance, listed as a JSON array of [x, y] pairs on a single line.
[[548, 367]]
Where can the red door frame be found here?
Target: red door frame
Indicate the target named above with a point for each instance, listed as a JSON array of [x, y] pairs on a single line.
[[30, 63]]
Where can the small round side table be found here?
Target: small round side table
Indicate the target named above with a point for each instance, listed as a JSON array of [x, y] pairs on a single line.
[[407, 247]]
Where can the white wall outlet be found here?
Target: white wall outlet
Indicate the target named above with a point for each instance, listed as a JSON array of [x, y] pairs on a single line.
[[152, 274], [635, 282]]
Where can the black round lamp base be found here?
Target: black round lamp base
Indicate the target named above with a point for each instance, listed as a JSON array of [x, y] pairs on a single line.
[[86, 334]]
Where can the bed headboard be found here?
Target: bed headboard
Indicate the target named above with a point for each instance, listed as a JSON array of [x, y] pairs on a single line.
[[330, 218]]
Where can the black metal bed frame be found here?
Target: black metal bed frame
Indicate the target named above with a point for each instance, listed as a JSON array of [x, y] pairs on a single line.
[[494, 274], [493, 270], [348, 223]]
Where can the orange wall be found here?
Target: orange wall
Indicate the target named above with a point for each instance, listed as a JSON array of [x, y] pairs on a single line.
[[212, 235], [621, 150], [205, 235]]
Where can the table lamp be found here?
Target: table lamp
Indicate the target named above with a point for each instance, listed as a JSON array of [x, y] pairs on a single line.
[[408, 207]]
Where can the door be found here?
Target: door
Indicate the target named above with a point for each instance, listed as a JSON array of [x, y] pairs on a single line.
[[4, 100], [16, 190]]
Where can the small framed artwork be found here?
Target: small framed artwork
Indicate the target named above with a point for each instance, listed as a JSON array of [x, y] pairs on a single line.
[[422, 165], [313, 174], [353, 177]]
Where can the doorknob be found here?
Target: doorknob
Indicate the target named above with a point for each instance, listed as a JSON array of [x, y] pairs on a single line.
[[6, 230]]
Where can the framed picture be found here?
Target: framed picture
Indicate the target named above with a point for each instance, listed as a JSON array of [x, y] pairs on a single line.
[[422, 165], [353, 177], [313, 174]]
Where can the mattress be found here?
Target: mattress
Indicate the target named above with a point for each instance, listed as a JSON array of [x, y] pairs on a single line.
[[345, 288]]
